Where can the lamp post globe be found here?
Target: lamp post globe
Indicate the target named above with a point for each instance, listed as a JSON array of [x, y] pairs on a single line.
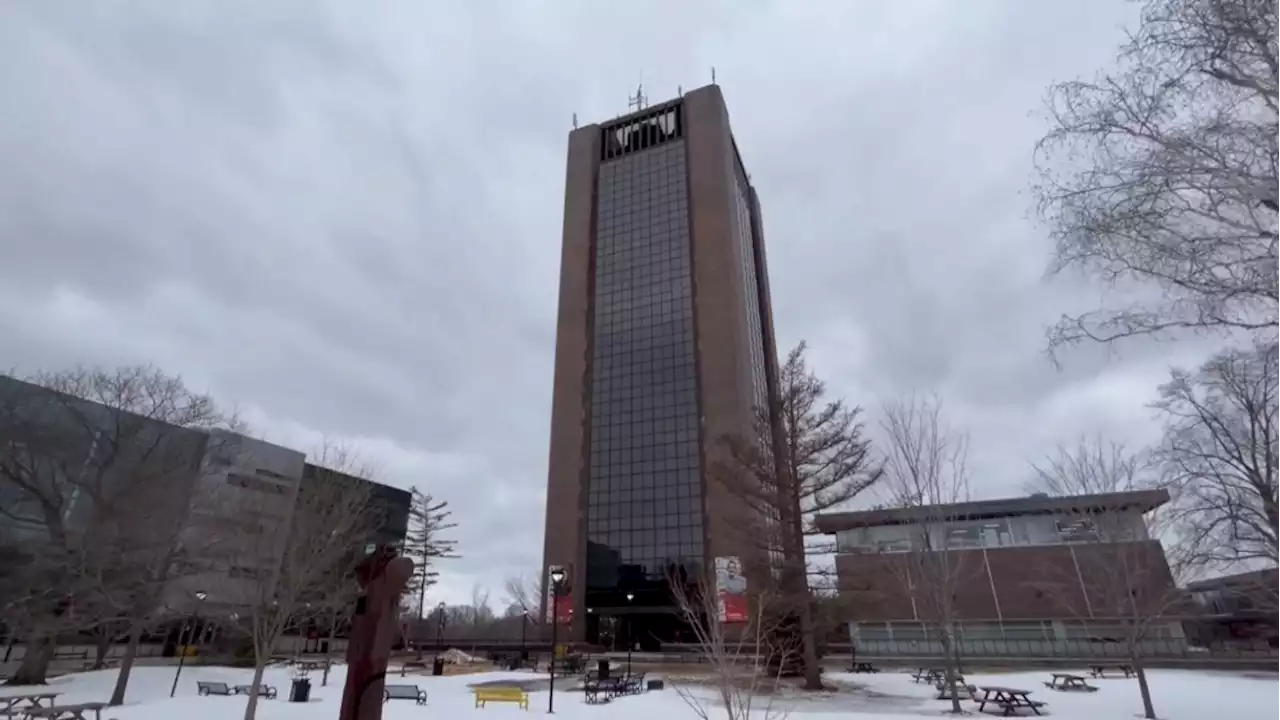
[[557, 577]]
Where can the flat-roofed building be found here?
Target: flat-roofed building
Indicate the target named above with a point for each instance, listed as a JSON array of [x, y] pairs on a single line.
[[1034, 575]]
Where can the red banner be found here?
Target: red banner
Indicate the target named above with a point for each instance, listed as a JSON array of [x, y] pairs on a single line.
[[733, 608], [564, 609]]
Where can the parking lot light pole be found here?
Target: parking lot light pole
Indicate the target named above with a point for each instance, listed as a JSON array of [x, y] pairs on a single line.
[[557, 576], [182, 648]]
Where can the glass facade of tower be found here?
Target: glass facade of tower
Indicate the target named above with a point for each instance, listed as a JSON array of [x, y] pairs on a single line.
[[644, 511]]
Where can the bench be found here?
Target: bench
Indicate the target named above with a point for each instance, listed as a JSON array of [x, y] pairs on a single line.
[[1099, 671], [1012, 707], [964, 692], [70, 655], [502, 694], [213, 688], [404, 692], [865, 667], [264, 690], [412, 665]]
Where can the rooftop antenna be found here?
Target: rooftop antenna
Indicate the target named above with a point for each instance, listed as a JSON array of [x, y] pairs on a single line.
[[575, 121], [679, 91], [637, 102], [713, 74]]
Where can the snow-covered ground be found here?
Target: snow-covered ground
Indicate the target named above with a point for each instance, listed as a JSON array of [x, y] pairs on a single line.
[[1178, 695]]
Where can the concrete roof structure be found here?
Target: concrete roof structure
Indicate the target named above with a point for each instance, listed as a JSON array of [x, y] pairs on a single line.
[[1145, 500]]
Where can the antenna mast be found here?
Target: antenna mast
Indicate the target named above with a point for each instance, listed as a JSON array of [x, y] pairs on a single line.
[[639, 101]]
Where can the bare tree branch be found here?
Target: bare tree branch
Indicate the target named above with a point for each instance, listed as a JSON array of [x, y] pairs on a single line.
[[805, 456], [1164, 174], [926, 471], [1120, 572], [1219, 455]]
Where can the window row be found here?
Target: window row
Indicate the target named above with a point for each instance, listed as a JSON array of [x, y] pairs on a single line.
[[616, 377], [676, 395], [645, 487], [632, 228], [654, 559], [656, 257], [659, 522], [671, 349], [602, 467], [674, 315], [621, 372], [652, 339]]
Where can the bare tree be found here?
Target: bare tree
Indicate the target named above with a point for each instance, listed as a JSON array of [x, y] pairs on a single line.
[[1163, 173], [99, 468], [926, 476], [805, 456], [525, 592], [304, 566], [427, 542], [1119, 572], [1219, 455], [743, 680]]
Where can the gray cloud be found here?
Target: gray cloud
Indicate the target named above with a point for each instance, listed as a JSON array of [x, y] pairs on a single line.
[[344, 218]]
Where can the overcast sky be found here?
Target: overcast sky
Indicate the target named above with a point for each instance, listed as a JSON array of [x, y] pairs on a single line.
[[343, 218]]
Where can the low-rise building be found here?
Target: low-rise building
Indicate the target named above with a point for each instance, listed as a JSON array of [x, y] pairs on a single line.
[[1029, 576]]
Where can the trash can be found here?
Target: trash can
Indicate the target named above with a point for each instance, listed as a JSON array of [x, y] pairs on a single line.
[[437, 667], [602, 669], [300, 691]]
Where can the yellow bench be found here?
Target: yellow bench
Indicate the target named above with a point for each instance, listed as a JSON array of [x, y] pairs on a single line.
[[502, 694]]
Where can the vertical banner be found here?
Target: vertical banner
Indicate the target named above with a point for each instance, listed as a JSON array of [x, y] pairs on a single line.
[[731, 590], [559, 609]]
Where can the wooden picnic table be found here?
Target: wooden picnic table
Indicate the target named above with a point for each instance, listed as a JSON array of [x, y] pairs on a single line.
[[68, 712], [1068, 681], [929, 675], [1100, 669], [11, 705], [1010, 699]]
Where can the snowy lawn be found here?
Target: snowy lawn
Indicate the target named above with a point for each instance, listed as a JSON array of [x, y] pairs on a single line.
[[1177, 694]]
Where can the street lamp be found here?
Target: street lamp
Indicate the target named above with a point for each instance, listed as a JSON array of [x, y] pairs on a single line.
[[524, 626], [557, 576], [630, 597], [182, 648], [439, 626]]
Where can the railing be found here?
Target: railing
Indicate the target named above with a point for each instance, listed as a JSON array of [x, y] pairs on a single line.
[[1156, 649]]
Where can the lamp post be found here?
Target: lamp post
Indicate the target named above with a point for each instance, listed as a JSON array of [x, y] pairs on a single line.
[[557, 576], [440, 626], [630, 597], [524, 626], [182, 648]]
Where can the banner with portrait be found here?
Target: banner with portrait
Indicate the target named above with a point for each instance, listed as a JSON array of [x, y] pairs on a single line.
[[731, 590], [559, 608]]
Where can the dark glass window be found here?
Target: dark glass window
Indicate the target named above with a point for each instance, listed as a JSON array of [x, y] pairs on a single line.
[[644, 507]]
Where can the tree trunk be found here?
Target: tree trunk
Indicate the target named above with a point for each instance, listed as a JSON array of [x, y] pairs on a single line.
[[809, 647], [101, 647], [126, 665], [328, 655], [8, 648], [35, 662], [950, 664], [251, 708], [1148, 709]]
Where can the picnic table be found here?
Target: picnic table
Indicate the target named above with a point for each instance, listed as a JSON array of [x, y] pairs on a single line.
[[865, 667], [1009, 699], [929, 675], [11, 705], [1100, 670], [1068, 681], [67, 712]]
